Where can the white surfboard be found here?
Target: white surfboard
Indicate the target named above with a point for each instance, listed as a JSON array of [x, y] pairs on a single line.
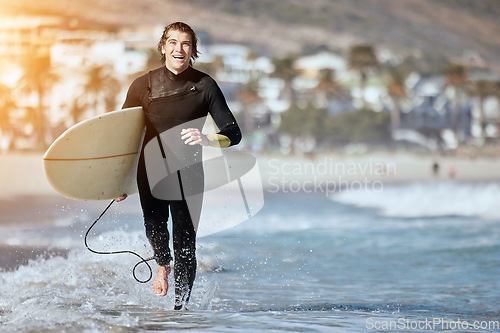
[[96, 159]]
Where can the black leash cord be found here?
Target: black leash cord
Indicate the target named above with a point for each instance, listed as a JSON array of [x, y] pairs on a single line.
[[145, 261]]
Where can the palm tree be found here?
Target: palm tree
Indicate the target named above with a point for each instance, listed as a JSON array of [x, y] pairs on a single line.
[[211, 68], [482, 89], [305, 123], [31, 117], [38, 78], [153, 61], [284, 69], [397, 92], [292, 123], [362, 58], [76, 109], [326, 82], [497, 95], [112, 91], [248, 96], [7, 105], [456, 79], [328, 86], [101, 87]]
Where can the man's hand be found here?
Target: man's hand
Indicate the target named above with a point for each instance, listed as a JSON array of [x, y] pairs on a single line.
[[123, 197], [192, 136]]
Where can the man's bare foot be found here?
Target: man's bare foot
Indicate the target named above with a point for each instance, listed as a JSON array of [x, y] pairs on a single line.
[[160, 283]]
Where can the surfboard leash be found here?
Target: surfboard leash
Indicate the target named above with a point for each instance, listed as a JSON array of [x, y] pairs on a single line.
[[143, 260]]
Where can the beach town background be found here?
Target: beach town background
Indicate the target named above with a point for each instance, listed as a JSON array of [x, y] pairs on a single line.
[[375, 126], [319, 86]]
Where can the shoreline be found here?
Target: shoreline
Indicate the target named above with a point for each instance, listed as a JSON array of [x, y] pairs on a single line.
[[25, 190], [375, 167], [27, 199]]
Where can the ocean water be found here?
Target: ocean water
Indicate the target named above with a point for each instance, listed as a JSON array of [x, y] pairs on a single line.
[[408, 257]]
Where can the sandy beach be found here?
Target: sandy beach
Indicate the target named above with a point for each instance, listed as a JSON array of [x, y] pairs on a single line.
[[25, 190], [22, 178]]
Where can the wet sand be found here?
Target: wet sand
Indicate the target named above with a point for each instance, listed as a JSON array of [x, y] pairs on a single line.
[[12, 257], [27, 200]]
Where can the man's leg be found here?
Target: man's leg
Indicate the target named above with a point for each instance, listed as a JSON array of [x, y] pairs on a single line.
[[184, 251], [155, 213]]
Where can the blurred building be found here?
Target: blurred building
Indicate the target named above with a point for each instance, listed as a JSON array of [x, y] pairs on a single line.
[[310, 66], [22, 34], [432, 116]]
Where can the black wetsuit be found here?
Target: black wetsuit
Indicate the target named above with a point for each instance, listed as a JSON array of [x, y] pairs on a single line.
[[169, 101]]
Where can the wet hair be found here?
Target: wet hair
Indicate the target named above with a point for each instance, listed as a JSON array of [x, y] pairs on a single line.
[[182, 27]]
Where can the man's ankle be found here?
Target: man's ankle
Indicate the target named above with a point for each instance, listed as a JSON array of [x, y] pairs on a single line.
[[163, 269], [180, 307]]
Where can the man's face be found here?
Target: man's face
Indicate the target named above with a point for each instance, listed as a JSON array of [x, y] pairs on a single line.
[[177, 50]]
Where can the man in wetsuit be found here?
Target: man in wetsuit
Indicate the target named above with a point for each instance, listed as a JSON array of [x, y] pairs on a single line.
[[173, 96]]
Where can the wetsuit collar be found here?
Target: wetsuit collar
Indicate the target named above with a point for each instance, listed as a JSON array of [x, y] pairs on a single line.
[[178, 77]]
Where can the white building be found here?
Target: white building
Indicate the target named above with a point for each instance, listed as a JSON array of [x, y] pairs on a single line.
[[310, 66], [77, 49], [239, 66]]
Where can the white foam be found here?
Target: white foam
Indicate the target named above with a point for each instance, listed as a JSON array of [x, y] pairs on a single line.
[[85, 288], [429, 199]]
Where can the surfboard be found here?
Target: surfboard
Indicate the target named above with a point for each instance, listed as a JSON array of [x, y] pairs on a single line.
[[96, 159]]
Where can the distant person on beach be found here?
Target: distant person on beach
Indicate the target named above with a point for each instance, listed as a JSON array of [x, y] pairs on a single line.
[[452, 172], [435, 169], [172, 96]]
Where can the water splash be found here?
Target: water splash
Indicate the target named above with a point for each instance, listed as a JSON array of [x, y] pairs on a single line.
[[88, 290]]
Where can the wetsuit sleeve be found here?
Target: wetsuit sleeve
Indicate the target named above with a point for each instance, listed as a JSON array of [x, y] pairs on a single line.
[[136, 92], [218, 141], [223, 117]]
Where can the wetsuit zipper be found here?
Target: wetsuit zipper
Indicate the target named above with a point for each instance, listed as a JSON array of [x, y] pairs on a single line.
[[176, 93]]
